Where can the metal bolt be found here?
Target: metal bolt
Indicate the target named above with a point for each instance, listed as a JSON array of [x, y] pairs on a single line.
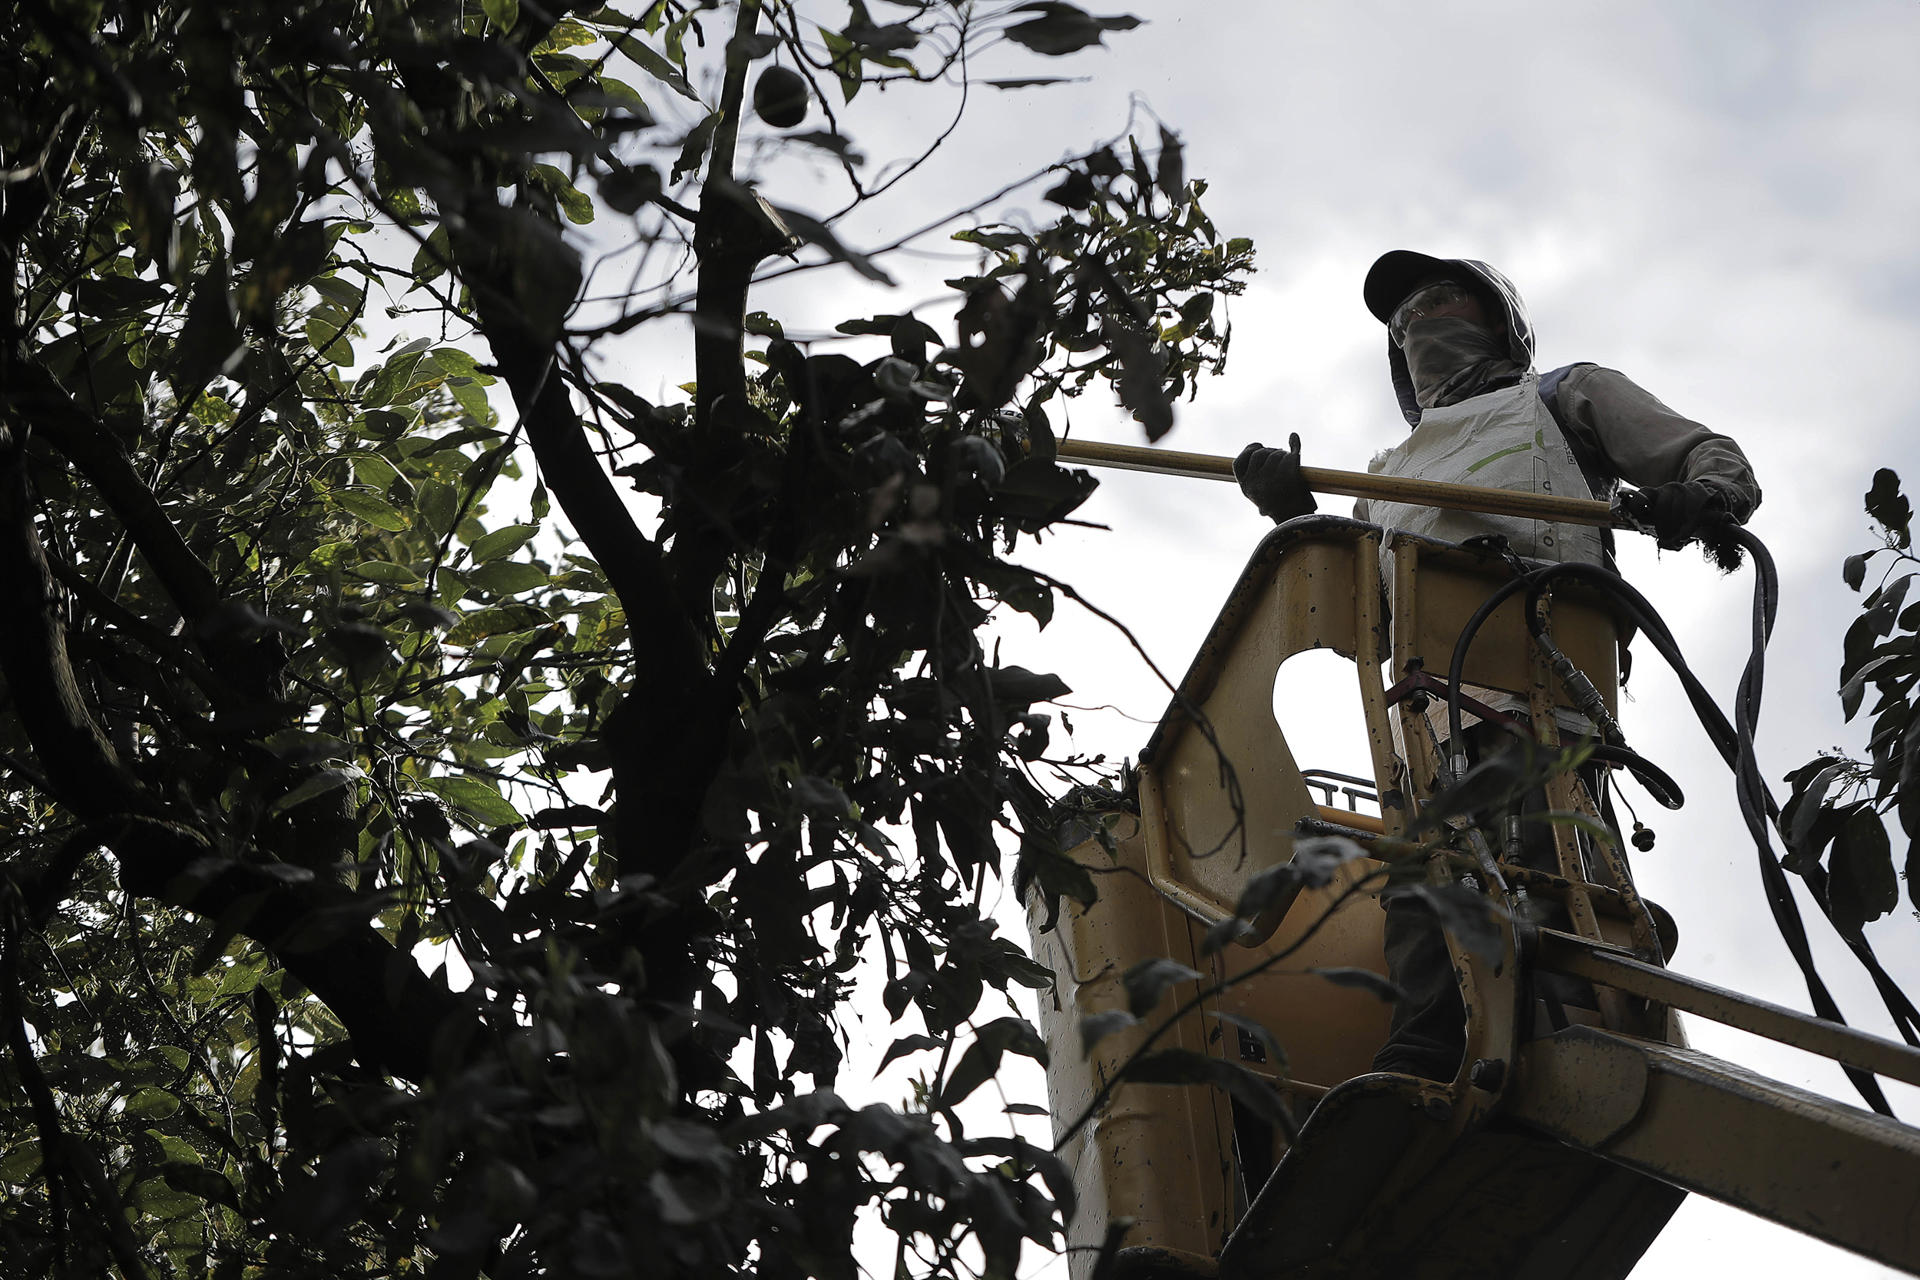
[[1488, 1074]]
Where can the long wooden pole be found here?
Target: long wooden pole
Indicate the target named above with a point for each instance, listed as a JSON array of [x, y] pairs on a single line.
[[1354, 484]]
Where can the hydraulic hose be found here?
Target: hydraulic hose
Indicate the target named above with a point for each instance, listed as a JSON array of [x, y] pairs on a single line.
[[1457, 666], [1665, 791], [1734, 742]]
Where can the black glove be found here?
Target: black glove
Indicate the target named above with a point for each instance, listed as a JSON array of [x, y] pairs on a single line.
[[1679, 512], [1686, 511], [1271, 478]]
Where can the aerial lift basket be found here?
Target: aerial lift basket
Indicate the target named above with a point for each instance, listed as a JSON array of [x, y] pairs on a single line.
[[1568, 1136]]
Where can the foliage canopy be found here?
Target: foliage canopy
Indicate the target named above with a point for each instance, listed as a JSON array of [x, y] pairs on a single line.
[[356, 627]]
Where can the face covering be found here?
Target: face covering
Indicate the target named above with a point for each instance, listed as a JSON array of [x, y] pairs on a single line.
[[1450, 360]]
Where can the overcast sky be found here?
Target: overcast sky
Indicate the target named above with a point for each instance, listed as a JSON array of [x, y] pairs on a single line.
[[1718, 199]]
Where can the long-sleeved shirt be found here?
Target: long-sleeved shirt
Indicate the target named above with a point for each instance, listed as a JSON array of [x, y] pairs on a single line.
[[1621, 430]]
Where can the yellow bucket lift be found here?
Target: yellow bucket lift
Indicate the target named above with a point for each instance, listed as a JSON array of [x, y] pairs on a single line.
[[1568, 1137]]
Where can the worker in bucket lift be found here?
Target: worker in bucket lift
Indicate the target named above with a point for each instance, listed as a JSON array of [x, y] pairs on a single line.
[[1460, 351]]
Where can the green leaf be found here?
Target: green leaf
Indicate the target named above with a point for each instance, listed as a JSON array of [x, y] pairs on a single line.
[[1803, 810], [1019, 687], [431, 260], [305, 746], [370, 508], [572, 201], [693, 148], [1908, 793], [1196, 310], [818, 234], [21, 1163], [316, 785], [328, 338], [407, 375], [1064, 28], [1362, 980], [202, 1184], [502, 619], [1468, 915], [1171, 174], [382, 424], [656, 65], [982, 1058], [387, 571], [844, 57], [509, 577], [239, 979], [1096, 1027], [567, 34], [1016, 586], [502, 13], [374, 471], [1863, 885], [1856, 686], [178, 1150], [209, 343], [629, 187], [882, 38], [111, 295], [152, 1104], [1148, 980], [474, 796], [469, 396], [1142, 384], [1888, 506], [438, 502], [502, 542], [1184, 1066], [910, 1044]]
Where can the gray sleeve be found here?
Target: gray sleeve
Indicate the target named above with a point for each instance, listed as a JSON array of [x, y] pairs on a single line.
[[1645, 443]]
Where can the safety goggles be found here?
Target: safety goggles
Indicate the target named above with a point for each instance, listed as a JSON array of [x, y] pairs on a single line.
[[1424, 302]]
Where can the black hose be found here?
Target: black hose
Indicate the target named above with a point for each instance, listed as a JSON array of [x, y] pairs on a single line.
[[1650, 775], [1457, 666], [1757, 806], [1905, 1016], [1734, 742]]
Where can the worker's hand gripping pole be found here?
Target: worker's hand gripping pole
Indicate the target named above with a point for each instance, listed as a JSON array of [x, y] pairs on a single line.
[[1355, 484]]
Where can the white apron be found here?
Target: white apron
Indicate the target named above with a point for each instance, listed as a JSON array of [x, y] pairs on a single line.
[[1504, 439]]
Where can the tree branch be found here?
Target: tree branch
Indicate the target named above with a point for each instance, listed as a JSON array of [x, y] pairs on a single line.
[[315, 927], [37, 398]]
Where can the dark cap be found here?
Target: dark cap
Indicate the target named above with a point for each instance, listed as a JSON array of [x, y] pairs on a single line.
[[1397, 274], [1400, 272]]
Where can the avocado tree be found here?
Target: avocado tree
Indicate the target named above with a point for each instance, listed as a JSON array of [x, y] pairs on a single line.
[[445, 795], [1836, 823]]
